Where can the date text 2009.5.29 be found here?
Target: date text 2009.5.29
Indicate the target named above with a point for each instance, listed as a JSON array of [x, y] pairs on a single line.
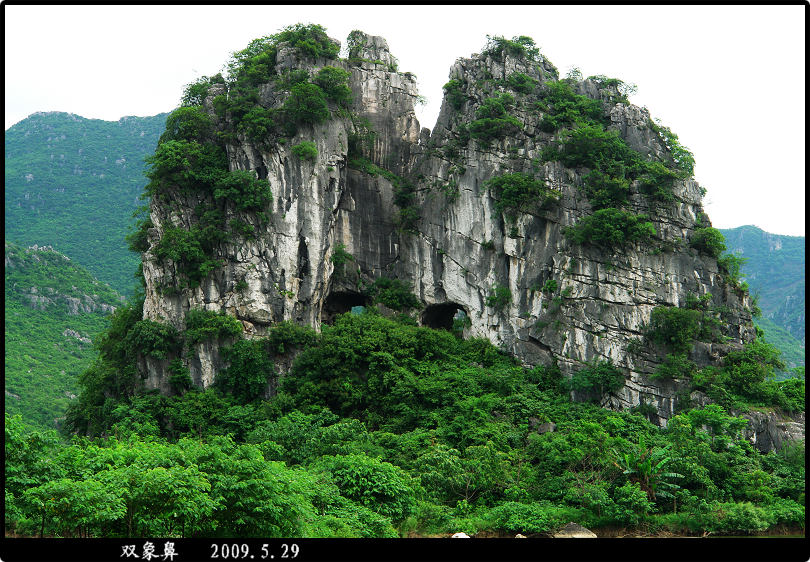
[[235, 551]]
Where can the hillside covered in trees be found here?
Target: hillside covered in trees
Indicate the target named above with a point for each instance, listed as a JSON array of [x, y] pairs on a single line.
[[53, 310], [73, 184]]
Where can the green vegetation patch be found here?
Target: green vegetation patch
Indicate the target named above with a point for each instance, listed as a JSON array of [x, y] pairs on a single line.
[[53, 309], [206, 324], [520, 47], [382, 429], [520, 192], [709, 241], [564, 108], [62, 170], [745, 379], [393, 293], [340, 257], [493, 120], [611, 228], [306, 150], [597, 379], [499, 298], [454, 90], [334, 83]]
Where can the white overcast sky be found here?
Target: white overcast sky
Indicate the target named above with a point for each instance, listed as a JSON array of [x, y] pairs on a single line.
[[729, 80]]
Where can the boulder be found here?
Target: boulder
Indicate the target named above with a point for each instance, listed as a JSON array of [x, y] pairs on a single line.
[[574, 531]]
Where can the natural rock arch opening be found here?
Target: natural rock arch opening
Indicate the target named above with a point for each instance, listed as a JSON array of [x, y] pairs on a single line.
[[341, 302], [442, 316]]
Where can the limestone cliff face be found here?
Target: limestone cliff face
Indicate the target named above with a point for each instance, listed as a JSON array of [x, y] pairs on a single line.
[[462, 248]]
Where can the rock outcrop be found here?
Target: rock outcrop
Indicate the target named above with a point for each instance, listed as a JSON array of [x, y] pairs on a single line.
[[459, 248], [574, 531]]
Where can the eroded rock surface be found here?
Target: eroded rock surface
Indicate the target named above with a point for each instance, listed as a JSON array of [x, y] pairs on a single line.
[[461, 248]]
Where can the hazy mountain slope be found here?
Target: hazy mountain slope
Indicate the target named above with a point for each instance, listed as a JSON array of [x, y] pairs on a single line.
[[73, 183], [54, 307], [775, 271]]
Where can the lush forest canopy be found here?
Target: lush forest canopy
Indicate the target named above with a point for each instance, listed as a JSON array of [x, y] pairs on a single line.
[[53, 309], [73, 183], [383, 428]]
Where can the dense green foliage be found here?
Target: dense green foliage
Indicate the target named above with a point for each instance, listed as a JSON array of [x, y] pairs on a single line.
[[499, 297], [393, 293], [339, 258], [306, 104], [593, 147], [306, 150], [73, 183], [611, 228], [564, 108], [189, 159], [53, 308], [613, 170], [308, 98], [521, 83], [185, 248], [381, 429], [519, 193], [597, 379], [454, 93], [676, 327], [493, 120], [708, 240], [520, 47], [205, 324], [334, 83], [745, 379]]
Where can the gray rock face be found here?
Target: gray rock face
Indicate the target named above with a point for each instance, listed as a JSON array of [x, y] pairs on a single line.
[[767, 431], [462, 248], [574, 531]]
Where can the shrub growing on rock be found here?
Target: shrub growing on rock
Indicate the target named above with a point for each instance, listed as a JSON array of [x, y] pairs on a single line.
[[493, 119], [519, 192], [306, 104], [205, 324], [611, 228], [305, 151], [597, 379], [709, 240]]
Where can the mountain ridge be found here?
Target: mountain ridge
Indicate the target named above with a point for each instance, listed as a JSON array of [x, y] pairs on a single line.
[[73, 183]]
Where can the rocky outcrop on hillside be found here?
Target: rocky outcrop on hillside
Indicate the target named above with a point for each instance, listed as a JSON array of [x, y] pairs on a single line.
[[456, 251], [27, 277]]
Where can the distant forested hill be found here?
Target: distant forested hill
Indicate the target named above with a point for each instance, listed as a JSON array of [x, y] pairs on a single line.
[[73, 183], [775, 271], [53, 308]]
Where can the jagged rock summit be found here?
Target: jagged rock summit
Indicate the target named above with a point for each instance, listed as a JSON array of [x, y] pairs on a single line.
[[483, 219]]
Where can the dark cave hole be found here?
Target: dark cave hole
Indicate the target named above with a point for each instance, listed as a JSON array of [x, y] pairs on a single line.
[[442, 316], [341, 302], [303, 258]]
